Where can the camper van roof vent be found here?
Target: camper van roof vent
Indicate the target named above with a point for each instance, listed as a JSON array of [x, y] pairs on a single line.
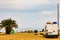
[[54, 22], [48, 23]]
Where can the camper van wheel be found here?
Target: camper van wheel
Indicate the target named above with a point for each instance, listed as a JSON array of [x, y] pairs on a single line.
[[46, 36], [56, 36], [43, 35]]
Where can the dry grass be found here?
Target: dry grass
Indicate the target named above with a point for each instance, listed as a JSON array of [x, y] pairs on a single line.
[[25, 36]]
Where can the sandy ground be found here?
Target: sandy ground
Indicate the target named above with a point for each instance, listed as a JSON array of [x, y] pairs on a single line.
[[25, 36]]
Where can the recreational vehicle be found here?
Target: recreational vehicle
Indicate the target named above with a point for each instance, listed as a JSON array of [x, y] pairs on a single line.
[[51, 29]]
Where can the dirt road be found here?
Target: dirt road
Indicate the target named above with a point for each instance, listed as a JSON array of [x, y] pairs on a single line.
[[25, 36]]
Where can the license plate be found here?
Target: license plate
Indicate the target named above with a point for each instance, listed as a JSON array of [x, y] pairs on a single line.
[[49, 32]]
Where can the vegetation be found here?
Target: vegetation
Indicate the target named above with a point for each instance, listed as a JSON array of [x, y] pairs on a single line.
[[8, 24], [30, 31], [42, 30]]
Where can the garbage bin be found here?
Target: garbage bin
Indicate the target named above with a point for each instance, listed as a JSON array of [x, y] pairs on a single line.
[[12, 31], [35, 31]]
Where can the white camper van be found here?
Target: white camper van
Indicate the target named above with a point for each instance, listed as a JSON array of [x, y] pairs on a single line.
[[51, 29]]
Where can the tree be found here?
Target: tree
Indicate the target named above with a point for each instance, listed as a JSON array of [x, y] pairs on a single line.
[[8, 24], [42, 30]]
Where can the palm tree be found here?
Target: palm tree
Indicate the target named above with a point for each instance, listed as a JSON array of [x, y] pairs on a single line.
[[8, 24]]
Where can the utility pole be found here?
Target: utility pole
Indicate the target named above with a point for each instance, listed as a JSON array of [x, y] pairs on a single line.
[[58, 13]]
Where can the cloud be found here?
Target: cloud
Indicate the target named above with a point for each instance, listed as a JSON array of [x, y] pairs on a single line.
[[23, 4], [31, 21]]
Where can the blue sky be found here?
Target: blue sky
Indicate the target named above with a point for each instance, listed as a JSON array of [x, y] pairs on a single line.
[[29, 14]]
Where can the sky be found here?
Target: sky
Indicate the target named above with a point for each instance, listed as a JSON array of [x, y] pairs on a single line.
[[29, 14]]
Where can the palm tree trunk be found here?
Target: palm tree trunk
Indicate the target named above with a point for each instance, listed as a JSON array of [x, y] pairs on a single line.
[[8, 30]]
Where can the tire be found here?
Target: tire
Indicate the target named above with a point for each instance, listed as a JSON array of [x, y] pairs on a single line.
[[56, 36], [46, 36]]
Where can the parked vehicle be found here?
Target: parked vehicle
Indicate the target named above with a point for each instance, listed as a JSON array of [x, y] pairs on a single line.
[[51, 29]]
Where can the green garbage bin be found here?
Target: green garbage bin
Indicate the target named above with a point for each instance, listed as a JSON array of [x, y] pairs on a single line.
[[12, 31]]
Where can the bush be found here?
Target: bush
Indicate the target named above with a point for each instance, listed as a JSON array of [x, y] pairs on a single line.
[[41, 33], [21, 32]]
